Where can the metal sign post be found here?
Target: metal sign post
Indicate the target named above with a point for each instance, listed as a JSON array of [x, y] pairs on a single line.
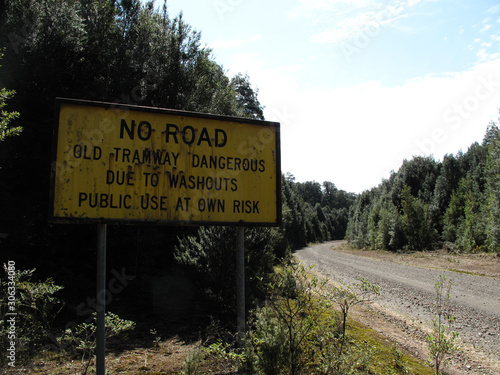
[[240, 283], [101, 300]]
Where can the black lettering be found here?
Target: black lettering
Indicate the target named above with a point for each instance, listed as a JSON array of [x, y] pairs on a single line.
[[213, 162], [103, 202], [196, 161], [125, 204], [124, 126], [201, 205], [200, 182], [97, 153], [246, 165], [144, 134], [262, 166], [154, 202], [120, 177], [204, 137], [236, 207], [85, 156], [126, 155], [174, 179], [136, 159], [111, 205], [93, 205], [110, 177], [157, 156], [145, 204], [130, 178], [214, 205], [220, 138], [163, 203], [246, 207], [175, 157], [209, 183], [255, 208], [154, 179], [253, 165], [77, 151], [237, 164], [185, 134], [179, 206], [171, 130], [234, 183], [183, 182], [146, 156], [204, 161], [82, 197], [222, 162]]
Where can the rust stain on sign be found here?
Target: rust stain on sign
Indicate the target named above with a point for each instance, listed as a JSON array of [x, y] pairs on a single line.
[[163, 166]]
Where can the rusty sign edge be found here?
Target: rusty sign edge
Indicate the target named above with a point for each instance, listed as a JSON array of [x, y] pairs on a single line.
[[121, 106]]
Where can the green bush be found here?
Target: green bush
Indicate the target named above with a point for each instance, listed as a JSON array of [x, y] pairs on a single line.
[[297, 331], [36, 308], [81, 340], [442, 341]]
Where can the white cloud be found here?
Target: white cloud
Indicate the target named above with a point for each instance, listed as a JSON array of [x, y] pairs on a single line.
[[236, 42], [494, 9], [485, 28], [331, 4], [354, 136], [349, 28], [351, 18]]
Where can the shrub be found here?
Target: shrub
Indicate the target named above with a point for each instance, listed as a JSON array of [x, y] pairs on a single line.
[[36, 308], [81, 340], [442, 342], [297, 331]]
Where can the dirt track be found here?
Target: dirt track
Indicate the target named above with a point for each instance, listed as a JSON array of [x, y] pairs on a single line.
[[405, 305]]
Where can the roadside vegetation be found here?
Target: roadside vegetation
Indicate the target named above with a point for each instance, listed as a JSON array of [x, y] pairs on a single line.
[[172, 287], [426, 204], [302, 326]]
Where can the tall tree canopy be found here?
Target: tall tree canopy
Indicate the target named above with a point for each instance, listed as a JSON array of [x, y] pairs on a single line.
[[426, 203], [106, 50]]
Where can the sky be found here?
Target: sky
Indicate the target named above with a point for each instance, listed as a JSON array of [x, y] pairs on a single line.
[[358, 86]]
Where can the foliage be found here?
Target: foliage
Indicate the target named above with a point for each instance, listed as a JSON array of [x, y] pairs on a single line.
[[349, 296], [7, 117], [82, 338], [36, 308], [426, 203], [297, 332], [210, 255], [313, 212], [442, 342], [247, 97], [193, 362], [125, 52]]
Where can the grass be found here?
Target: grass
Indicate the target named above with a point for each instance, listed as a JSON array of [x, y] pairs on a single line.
[[388, 359]]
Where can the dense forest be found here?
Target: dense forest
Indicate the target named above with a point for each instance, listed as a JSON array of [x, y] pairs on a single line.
[[428, 204], [127, 52]]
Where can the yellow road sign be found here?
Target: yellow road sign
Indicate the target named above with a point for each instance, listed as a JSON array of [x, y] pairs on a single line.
[[137, 164]]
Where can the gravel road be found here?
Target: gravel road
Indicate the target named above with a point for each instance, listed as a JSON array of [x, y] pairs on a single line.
[[409, 292]]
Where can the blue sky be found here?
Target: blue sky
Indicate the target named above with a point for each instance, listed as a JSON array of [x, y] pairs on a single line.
[[358, 86]]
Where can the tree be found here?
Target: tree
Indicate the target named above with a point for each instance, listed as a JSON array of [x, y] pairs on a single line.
[[247, 97], [493, 192], [6, 117]]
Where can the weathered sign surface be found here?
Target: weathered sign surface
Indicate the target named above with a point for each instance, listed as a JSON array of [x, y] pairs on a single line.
[[139, 164]]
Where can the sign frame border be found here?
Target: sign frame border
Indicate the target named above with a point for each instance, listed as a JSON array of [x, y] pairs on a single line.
[[175, 112]]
